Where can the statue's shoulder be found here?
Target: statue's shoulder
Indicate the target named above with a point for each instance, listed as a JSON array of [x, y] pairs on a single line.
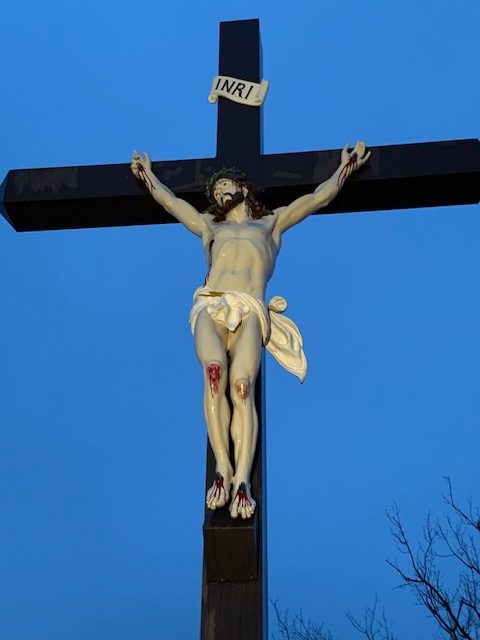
[[209, 217], [268, 221]]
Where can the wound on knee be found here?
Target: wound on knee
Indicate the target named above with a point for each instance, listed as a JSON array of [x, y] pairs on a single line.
[[241, 388], [214, 373]]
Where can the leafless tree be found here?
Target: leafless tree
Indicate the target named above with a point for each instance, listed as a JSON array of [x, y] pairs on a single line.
[[374, 625], [443, 571], [454, 604], [298, 628]]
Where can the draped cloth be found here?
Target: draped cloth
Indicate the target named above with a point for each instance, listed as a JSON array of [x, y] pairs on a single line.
[[281, 335]]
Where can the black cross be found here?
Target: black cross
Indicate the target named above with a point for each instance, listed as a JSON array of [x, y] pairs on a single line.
[[396, 177]]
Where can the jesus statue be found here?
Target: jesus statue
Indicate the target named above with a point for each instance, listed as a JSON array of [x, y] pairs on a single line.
[[230, 319]]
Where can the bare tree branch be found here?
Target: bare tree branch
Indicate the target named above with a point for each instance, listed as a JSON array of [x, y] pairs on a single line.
[[298, 628], [442, 570], [456, 610], [373, 626]]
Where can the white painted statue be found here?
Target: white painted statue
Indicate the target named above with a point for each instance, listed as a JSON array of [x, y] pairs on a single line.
[[230, 320]]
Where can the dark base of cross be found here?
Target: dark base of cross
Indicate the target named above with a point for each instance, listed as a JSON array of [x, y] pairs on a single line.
[[396, 177], [234, 589]]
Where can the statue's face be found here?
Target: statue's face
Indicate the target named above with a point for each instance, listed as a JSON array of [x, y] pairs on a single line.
[[224, 192]]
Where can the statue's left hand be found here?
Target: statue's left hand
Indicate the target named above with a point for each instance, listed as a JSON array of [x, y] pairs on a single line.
[[357, 157], [140, 162]]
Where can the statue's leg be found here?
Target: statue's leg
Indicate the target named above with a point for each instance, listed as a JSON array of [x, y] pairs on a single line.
[[245, 352], [210, 345]]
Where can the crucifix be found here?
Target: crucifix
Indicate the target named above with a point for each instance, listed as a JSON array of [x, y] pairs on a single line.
[[396, 177]]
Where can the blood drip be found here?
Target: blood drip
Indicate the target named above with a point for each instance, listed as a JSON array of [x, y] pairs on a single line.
[[242, 496], [218, 485], [146, 179], [347, 170], [210, 245], [213, 371], [242, 389]]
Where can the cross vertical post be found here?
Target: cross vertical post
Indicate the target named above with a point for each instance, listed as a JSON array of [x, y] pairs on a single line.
[[239, 128], [234, 589]]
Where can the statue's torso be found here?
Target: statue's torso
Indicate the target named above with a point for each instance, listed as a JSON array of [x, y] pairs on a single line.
[[241, 255]]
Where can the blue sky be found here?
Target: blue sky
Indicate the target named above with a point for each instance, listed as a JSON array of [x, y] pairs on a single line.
[[102, 435]]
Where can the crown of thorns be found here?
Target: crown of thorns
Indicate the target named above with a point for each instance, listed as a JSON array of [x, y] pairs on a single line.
[[232, 173]]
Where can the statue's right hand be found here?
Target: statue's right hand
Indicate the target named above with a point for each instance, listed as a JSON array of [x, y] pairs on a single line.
[[140, 162]]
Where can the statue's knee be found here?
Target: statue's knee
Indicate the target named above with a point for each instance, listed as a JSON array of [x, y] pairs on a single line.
[[242, 389], [214, 374]]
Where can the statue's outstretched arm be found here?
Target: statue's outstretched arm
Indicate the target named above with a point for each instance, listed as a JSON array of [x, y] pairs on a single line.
[[178, 208], [299, 209]]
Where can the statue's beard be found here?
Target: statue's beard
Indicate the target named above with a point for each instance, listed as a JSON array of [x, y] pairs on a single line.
[[237, 198]]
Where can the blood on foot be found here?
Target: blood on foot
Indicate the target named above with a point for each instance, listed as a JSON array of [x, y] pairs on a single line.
[[218, 485], [243, 499], [214, 373], [217, 494]]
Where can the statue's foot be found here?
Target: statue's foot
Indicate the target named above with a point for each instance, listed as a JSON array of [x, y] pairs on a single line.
[[242, 503], [219, 492]]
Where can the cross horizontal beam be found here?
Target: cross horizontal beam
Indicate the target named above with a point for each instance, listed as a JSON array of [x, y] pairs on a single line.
[[396, 177]]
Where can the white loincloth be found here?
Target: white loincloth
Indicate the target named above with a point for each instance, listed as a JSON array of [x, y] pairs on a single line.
[[281, 336]]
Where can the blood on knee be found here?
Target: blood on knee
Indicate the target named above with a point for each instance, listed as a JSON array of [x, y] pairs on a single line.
[[242, 389], [214, 372]]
